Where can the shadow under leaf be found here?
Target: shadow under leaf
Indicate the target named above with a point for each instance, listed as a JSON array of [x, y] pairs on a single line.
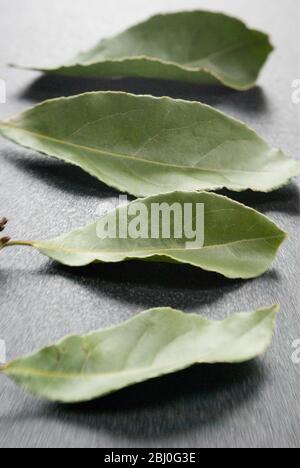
[[150, 285], [69, 178], [283, 200], [59, 175], [52, 86], [195, 398]]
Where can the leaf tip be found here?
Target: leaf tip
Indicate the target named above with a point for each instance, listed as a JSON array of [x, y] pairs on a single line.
[[275, 309]]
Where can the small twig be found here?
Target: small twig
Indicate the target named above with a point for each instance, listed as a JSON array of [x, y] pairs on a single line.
[[3, 240], [3, 223]]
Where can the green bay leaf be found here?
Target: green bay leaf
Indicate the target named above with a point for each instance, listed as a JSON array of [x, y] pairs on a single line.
[[146, 146], [155, 343], [199, 47], [239, 242]]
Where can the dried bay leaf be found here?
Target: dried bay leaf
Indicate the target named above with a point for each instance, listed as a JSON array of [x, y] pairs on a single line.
[[239, 242], [155, 343], [147, 146], [198, 47]]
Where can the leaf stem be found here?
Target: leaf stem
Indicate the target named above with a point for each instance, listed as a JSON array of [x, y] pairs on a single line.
[[13, 243]]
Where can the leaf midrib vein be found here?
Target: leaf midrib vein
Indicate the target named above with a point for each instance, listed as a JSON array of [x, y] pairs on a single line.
[[136, 252], [224, 51], [126, 156]]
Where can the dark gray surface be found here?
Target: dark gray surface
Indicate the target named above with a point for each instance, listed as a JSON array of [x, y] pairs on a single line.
[[254, 405]]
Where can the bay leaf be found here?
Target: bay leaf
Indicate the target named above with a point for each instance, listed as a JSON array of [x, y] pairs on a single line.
[[198, 47], [146, 146], [155, 343], [239, 242]]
